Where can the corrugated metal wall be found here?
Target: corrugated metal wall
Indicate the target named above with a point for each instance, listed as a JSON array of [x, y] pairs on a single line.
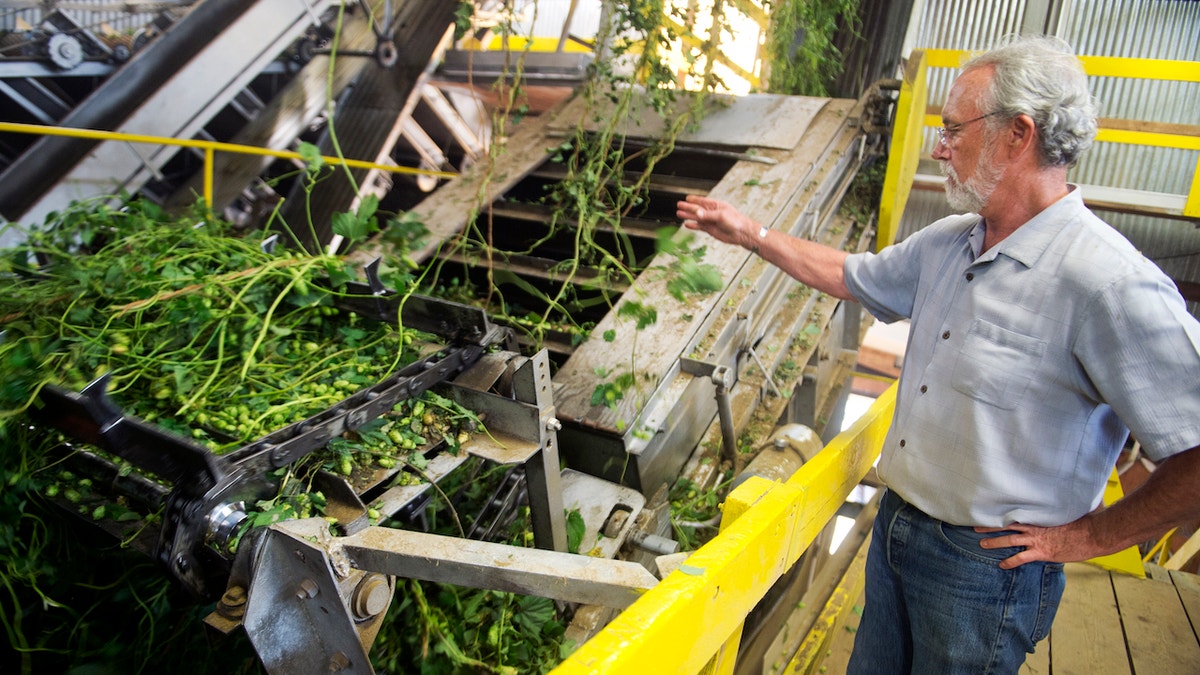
[[1158, 29], [948, 24], [546, 18]]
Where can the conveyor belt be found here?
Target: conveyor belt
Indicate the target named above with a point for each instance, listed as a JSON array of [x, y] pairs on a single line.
[[788, 164]]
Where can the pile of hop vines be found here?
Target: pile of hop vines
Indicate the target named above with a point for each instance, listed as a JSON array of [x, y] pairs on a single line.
[[202, 331], [196, 329]]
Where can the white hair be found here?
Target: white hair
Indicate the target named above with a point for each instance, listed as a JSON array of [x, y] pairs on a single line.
[[1041, 77]]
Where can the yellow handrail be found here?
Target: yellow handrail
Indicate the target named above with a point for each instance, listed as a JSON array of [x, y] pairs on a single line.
[[693, 618], [904, 151], [210, 149], [913, 104]]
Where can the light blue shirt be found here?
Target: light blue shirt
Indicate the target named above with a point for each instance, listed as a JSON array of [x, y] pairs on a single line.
[[1027, 365]]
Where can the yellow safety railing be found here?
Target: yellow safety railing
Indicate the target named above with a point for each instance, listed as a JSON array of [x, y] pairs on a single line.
[[210, 148], [912, 115], [692, 620], [904, 152]]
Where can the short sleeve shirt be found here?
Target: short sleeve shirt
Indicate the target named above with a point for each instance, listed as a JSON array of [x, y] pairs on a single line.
[[1028, 365]]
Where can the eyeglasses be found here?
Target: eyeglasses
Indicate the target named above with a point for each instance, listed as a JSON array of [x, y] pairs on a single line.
[[949, 131]]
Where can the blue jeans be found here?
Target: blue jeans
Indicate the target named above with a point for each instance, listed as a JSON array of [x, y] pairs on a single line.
[[938, 604]]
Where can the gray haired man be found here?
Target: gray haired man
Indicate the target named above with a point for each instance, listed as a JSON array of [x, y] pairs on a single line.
[[1040, 340]]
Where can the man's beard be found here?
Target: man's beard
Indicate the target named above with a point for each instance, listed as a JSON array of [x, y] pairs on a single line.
[[973, 194]]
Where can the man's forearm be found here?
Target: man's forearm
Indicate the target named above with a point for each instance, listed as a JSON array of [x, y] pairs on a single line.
[[807, 261], [1169, 497]]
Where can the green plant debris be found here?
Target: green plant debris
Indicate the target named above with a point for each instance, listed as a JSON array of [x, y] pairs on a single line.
[[203, 333], [802, 58]]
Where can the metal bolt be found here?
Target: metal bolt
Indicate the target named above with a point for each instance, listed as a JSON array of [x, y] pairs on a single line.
[[233, 603], [339, 661], [308, 589], [371, 596], [553, 424]]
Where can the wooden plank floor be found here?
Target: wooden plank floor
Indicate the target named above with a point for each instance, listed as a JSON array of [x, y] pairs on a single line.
[[1108, 624]]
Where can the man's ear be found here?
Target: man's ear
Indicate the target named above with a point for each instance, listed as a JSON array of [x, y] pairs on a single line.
[[1022, 135]]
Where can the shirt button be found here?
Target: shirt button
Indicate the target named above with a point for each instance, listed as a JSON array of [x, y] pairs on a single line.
[[924, 388], [970, 276], [946, 335], [902, 442]]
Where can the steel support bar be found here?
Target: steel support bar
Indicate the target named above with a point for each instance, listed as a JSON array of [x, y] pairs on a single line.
[[316, 600], [479, 564], [523, 429]]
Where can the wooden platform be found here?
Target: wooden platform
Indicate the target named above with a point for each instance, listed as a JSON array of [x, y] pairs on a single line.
[[1115, 624], [1108, 624]]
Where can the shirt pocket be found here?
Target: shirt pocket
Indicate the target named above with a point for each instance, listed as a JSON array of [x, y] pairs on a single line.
[[996, 365]]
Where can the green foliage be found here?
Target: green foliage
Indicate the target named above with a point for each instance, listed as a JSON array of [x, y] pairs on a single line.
[[456, 630], [862, 199], [197, 329], [688, 274], [359, 224], [801, 55], [576, 528], [605, 182], [203, 333], [694, 512], [442, 628], [607, 394], [311, 156], [462, 18], [643, 315], [81, 603]]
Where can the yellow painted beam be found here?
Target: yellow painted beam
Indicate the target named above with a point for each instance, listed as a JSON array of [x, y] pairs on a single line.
[[97, 135], [812, 650], [1191, 208], [1099, 66], [209, 162], [1180, 141], [678, 626], [946, 58], [1141, 69], [905, 149], [524, 44]]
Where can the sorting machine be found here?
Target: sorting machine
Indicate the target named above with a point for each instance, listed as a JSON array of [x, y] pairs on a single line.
[[712, 379], [716, 374]]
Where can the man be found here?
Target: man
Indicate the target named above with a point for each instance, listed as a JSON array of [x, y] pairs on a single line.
[[1039, 338]]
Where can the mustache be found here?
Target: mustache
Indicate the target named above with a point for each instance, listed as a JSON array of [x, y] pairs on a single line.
[[947, 170]]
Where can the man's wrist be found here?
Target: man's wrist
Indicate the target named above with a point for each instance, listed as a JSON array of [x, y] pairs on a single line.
[[762, 234]]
